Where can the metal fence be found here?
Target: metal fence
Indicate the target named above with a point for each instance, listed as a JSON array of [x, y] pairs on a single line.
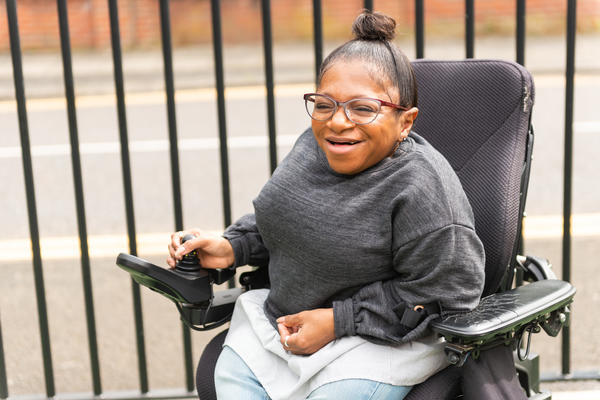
[[144, 390]]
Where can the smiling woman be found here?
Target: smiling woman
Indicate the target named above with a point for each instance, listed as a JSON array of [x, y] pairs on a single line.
[[366, 233]]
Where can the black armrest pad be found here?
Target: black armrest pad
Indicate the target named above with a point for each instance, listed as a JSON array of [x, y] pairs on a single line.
[[503, 312]]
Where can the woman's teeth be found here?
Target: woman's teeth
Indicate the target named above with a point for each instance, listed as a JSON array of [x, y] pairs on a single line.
[[343, 143]]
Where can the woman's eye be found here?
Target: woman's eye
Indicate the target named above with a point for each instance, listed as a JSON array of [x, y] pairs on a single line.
[[364, 109], [323, 106], [364, 106]]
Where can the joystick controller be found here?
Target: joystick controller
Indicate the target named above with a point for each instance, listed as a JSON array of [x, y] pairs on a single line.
[[189, 263], [189, 286]]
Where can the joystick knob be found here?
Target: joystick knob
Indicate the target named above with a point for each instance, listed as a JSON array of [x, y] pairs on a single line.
[[189, 263]]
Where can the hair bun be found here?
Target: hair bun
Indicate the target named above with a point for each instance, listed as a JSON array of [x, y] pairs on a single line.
[[373, 26]]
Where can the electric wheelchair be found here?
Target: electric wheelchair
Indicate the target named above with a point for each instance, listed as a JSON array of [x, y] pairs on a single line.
[[477, 113]]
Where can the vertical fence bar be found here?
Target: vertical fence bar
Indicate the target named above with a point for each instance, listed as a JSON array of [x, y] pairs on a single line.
[[420, 28], [369, 5], [3, 381], [268, 51], [568, 170], [521, 32], [115, 37], [165, 26], [220, 86], [520, 50], [318, 36], [470, 28], [15, 49], [65, 44], [165, 21]]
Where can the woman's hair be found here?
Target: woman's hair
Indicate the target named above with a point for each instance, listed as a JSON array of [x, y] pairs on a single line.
[[372, 44]]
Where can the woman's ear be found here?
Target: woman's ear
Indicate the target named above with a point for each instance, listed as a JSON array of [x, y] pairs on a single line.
[[407, 118]]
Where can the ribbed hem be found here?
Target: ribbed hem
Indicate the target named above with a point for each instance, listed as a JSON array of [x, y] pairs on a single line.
[[343, 318], [241, 253]]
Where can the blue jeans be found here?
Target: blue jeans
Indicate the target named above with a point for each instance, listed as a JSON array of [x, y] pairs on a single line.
[[234, 380]]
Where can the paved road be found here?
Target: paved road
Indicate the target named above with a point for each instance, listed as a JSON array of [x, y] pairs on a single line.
[[246, 115]]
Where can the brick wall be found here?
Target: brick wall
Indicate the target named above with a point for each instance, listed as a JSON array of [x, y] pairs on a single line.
[[292, 20], [89, 24]]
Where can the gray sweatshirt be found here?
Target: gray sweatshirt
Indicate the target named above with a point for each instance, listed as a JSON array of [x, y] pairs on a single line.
[[396, 235]]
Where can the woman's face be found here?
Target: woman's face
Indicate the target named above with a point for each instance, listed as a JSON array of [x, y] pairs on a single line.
[[352, 148]]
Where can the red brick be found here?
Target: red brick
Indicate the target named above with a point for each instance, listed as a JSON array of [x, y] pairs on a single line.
[[291, 20]]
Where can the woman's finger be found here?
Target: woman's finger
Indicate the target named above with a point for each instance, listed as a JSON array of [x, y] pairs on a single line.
[[290, 343], [171, 262], [283, 331], [291, 320], [176, 237], [171, 250], [286, 337], [192, 244]]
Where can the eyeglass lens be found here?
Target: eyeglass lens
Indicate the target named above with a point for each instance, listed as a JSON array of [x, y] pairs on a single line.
[[359, 111]]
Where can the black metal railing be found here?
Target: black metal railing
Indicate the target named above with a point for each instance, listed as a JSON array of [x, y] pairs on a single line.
[[40, 291], [78, 182], [127, 184], [568, 170], [17, 63]]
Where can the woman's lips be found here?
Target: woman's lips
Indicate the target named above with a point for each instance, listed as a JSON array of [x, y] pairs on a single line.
[[340, 145]]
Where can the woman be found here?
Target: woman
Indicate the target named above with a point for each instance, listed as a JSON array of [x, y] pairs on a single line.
[[367, 235]]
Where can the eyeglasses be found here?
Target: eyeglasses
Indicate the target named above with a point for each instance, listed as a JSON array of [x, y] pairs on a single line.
[[321, 107]]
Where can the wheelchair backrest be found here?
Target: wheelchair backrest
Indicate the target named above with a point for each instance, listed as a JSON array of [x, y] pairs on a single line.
[[477, 114]]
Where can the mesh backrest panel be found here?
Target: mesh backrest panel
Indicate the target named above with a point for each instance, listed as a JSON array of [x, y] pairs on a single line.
[[476, 113]]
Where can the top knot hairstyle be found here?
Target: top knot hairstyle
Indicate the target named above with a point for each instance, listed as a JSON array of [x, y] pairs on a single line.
[[373, 26], [387, 64]]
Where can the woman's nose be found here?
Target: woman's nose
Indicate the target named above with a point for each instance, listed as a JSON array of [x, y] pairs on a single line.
[[339, 121]]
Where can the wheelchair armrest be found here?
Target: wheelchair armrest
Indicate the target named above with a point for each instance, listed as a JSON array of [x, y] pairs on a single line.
[[502, 315], [502, 318]]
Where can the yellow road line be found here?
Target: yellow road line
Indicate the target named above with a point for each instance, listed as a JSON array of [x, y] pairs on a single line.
[[158, 97], [235, 92], [152, 244]]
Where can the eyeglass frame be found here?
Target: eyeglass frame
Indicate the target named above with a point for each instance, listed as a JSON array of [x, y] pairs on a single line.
[[343, 105]]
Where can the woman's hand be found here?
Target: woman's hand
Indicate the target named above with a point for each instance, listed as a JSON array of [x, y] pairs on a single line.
[[214, 251], [307, 331]]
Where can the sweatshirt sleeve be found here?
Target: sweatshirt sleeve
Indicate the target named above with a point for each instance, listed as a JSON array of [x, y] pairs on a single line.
[[247, 244], [445, 266]]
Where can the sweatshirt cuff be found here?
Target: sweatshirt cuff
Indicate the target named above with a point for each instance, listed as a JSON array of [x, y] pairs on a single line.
[[241, 253], [343, 318]]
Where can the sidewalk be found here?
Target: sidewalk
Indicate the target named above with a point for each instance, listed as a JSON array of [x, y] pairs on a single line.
[[243, 65], [575, 390], [584, 395]]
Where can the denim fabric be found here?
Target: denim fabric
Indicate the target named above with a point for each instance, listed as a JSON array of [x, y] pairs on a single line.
[[362, 389], [234, 380]]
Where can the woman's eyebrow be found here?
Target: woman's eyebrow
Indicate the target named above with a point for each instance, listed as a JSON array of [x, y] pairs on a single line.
[[354, 96]]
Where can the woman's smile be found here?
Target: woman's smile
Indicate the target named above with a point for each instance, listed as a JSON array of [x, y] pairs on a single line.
[[341, 145]]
